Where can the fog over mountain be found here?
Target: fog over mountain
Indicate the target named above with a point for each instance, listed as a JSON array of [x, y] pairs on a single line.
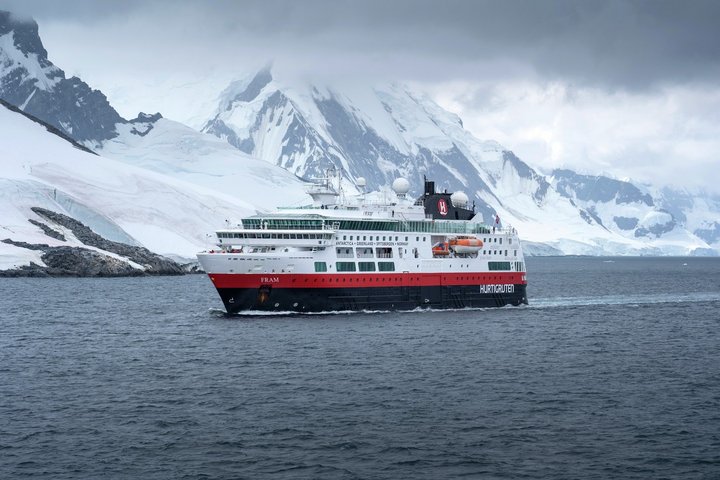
[[624, 88]]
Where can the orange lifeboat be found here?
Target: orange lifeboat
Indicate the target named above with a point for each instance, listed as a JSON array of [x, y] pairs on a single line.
[[466, 244], [440, 249]]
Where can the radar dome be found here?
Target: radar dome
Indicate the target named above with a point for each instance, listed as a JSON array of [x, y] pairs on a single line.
[[401, 186], [459, 199], [361, 182]]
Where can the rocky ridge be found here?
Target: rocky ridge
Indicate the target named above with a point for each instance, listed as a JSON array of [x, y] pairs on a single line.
[[93, 260]]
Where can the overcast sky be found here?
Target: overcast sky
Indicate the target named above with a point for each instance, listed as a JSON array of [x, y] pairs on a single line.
[[626, 88]]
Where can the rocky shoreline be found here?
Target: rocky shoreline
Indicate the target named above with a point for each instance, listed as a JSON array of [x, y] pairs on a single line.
[[92, 259]]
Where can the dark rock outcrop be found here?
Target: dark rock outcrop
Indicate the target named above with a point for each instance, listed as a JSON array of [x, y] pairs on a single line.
[[598, 188], [66, 261], [152, 262], [48, 231]]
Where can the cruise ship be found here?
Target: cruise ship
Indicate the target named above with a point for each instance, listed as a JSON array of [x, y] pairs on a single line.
[[368, 254]]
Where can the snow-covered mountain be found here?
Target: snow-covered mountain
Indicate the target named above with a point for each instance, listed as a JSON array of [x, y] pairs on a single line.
[[168, 188], [642, 212], [31, 82], [387, 131], [266, 132]]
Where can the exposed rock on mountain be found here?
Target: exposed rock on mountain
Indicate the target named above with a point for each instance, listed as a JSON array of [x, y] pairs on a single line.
[[31, 82]]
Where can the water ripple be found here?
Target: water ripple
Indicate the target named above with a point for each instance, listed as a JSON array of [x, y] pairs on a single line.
[[610, 372]]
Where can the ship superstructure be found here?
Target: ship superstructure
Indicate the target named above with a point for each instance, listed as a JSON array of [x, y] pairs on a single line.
[[362, 254]]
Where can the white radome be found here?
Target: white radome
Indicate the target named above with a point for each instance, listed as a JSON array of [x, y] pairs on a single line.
[[459, 199], [361, 182], [401, 186]]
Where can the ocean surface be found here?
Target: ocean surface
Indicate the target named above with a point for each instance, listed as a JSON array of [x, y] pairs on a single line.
[[612, 371]]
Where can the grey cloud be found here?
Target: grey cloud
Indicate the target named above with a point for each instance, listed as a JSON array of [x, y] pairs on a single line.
[[615, 44]]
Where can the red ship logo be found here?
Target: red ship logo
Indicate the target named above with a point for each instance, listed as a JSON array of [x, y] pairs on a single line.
[[442, 207]]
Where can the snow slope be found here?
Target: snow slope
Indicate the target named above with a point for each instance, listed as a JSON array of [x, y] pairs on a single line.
[[178, 151], [122, 202]]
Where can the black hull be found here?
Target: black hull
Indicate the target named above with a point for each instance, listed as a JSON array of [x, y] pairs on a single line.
[[271, 299]]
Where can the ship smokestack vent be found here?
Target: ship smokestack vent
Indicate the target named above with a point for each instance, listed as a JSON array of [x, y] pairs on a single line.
[[429, 187]]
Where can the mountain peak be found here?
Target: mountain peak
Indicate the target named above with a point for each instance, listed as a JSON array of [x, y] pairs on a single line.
[[31, 82], [25, 32]]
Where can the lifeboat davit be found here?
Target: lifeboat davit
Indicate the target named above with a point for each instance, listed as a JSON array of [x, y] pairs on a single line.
[[465, 245]]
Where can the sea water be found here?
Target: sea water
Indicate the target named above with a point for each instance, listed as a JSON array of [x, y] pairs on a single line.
[[612, 371]]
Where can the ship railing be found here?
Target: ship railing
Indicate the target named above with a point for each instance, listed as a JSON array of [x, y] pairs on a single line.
[[509, 230]]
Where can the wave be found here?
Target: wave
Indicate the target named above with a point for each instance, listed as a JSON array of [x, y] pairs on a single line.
[[648, 299]]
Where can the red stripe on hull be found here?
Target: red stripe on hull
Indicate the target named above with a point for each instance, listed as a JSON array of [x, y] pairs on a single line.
[[334, 280]]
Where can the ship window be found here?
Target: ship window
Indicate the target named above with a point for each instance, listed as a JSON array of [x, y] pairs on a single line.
[[515, 253], [377, 238], [344, 237], [265, 235], [494, 266], [406, 239], [366, 266], [510, 241], [417, 239], [501, 241], [386, 266], [351, 237], [364, 237], [345, 266], [384, 252], [320, 267], [305, 236], [383, 238]]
